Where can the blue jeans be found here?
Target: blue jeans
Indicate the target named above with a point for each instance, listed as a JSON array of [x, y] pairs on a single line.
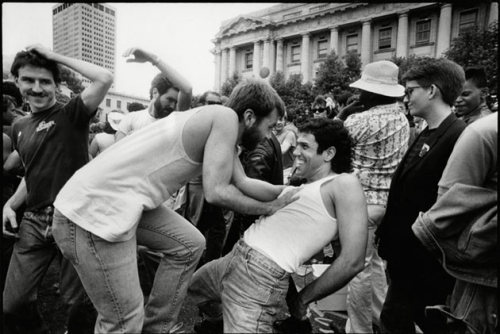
[[32, 255], [108, 270], [250, 287], [367, 290]]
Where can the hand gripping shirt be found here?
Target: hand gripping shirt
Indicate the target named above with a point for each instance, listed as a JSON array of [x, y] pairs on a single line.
[[295, 233], [140, 172]]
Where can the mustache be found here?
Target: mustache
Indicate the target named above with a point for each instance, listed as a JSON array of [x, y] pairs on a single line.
[[32, 93]]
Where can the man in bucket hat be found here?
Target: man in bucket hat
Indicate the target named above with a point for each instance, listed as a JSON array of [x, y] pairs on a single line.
[[380, 134]]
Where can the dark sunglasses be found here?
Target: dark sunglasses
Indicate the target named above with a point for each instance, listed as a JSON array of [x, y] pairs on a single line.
[[213, 102]]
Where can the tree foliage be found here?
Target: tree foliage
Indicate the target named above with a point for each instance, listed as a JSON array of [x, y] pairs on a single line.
[[477, 47], [230, 83], [71, 79], [405, 63], [334, 76], [296, 95]]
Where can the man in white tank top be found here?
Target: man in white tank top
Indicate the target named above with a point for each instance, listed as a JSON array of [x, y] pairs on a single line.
[[115, 202], [247, 287]]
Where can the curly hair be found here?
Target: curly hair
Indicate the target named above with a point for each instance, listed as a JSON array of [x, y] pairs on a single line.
[[328, 133]]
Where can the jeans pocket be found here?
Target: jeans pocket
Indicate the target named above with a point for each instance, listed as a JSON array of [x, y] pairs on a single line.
[[64, 233]]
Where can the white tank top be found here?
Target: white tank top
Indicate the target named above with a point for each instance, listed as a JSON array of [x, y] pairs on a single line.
[[296, 232], [108, 195]]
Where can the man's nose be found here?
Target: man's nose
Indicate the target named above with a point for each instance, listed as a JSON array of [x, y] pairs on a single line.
[[37, 87]]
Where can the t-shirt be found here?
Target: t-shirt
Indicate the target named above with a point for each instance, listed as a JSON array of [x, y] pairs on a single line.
[[135, 120], [52, 144]]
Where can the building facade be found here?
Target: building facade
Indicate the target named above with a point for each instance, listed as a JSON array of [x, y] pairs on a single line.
[[85, 31], [118, 101], [296, 38]]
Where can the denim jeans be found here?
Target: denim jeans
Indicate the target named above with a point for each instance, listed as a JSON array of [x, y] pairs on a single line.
[[108, 270], [366, 291], [250, 287], [32, 255]]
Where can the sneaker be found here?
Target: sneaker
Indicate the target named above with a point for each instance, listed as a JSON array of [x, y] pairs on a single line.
[[292, 325], [209, 327]]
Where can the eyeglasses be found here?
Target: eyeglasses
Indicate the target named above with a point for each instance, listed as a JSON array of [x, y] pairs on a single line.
[[213, 102], [319, 110], [409, 90]]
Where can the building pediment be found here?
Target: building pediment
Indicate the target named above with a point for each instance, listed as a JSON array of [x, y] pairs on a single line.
[[242, 24]]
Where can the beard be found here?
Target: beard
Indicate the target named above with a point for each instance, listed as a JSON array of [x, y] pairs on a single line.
[[160, 111], [250, 138]]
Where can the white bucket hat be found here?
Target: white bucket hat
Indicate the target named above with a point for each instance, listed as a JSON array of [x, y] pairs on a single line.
[[380, 77], [114, 119]]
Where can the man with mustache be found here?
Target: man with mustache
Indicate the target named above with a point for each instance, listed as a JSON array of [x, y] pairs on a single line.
[[115, 203], [169, 91], [52, 143]]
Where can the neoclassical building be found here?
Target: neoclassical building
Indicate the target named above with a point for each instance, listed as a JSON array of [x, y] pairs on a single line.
[[296, 38]]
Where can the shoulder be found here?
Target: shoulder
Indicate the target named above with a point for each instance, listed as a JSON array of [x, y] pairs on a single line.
[[221, 114], [343, 182]]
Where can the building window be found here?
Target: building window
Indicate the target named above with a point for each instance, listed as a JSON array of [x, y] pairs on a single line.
[[423, 31], [108, 102], [322, 49], [352, 42], [295, 54], [467, 21], [385, 38], [248, 60], [119, 104]]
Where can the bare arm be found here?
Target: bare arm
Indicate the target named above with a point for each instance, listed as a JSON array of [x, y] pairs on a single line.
[[94, 148], [184, 86], [9, 213], [101, 78], [13, 161], [352, 220], [219, 161]]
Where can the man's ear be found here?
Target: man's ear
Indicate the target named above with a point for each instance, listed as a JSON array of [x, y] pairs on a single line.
[[249, 117], [329, 153], [434, 91], [154, 93]]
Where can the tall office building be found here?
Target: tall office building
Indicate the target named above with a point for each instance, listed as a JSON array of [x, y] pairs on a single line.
[[85, 31]]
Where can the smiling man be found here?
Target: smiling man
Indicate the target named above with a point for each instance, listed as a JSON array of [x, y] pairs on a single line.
[[417, 279], [115, 203], [52, 143], [247, 287]]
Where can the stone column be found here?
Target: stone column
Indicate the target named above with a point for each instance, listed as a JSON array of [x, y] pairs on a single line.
[[444, 30], [305, 63], [402, 40], [267, 56], [224, 66], [232, 61], [217, 81], [256, 58], [279, 56], [334, 39], [272, 57], [366, 41], [493, 12]]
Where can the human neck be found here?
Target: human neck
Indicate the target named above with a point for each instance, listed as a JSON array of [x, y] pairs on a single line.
[[437, 115], [321, 173]]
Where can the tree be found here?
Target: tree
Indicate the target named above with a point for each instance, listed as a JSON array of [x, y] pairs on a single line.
[[230, 83], [477, 47], [296, 96], [71, 79], [405, 63]]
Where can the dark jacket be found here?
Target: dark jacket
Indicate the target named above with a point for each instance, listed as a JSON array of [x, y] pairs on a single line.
[[264, 162], [413, 189]]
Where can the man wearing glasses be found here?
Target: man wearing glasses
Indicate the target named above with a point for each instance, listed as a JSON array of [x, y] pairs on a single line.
[[417, 279]]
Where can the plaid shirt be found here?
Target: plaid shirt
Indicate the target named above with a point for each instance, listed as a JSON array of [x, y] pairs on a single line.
[[380, 136]]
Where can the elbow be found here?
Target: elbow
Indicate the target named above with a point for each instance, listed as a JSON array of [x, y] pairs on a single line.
[[214, 197], [106, 77]]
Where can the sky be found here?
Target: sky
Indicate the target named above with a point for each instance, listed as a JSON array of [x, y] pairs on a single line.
[[179, 33]]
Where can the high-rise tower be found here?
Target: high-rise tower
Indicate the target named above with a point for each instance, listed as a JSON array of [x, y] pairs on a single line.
[[85, 31]]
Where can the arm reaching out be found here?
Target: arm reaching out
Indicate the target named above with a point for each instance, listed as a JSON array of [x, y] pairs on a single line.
[[185, 88], [101, 78]]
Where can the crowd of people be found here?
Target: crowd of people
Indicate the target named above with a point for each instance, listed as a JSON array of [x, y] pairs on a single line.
[[223, 199]]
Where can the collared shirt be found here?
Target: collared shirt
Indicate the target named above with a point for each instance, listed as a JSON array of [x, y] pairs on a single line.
[[381, 136]]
